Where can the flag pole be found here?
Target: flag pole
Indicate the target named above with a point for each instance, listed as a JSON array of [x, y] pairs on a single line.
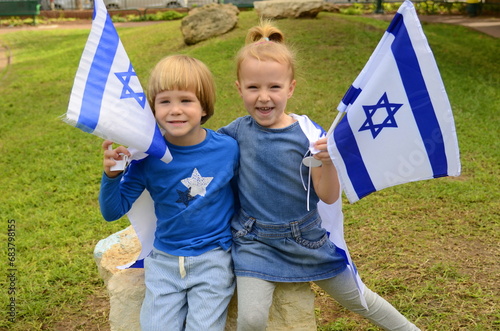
[[335, 122]]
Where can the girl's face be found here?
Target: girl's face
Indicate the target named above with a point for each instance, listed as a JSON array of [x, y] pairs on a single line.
[[179, 113], [265, 87]]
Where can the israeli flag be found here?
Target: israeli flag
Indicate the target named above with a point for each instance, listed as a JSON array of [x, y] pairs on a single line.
[[107, 99], [398, 125]]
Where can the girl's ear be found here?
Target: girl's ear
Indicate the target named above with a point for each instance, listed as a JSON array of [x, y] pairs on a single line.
[[291, 88], [238, 86]]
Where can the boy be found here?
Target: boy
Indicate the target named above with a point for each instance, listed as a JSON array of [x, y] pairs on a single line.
[[189, 277]]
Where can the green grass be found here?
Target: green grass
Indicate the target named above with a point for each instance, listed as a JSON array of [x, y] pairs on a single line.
[[430, 247]]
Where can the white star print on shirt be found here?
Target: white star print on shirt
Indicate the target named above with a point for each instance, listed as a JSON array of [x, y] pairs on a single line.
[[197, 183]]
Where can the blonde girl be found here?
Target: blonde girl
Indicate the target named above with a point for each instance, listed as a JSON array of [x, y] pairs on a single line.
[[276, 237]]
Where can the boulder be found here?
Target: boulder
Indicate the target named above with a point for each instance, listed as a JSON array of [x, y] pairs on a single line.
[[275, 9], [208, 21], [292, 309], [125, 286]]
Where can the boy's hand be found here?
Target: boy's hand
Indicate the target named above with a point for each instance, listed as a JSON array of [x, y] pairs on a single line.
[[323, 155], [111, 156]]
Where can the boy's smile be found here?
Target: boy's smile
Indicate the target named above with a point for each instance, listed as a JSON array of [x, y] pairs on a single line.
[[179, 113]]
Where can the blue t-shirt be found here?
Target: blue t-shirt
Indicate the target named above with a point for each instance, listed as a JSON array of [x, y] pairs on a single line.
[[193, 195]]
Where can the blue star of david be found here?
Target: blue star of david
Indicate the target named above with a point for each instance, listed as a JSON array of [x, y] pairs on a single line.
[[127, 91], [388, 122], [185, 196]]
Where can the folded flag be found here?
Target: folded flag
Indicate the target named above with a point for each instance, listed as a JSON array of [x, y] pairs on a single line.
[[399, 124], [107, 99]]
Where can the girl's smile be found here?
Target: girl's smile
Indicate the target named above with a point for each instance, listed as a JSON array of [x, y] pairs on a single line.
[[265, 87]]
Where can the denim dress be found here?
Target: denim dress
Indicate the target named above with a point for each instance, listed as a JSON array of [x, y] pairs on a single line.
[[275, 236]]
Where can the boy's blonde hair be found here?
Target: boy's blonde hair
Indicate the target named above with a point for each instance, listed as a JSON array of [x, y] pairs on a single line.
[[182, 72], [266, 42]]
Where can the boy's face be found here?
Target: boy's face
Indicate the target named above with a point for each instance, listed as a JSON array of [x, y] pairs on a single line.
[[179, 113], [265, 87]]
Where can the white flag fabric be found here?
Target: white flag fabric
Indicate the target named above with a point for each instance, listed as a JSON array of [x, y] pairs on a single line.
[[332, 217], [143, 219], [107, 99], [398, 125]]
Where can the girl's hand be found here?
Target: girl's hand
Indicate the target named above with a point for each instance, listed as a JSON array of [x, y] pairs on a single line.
[[323, 155], [111, 156], [325, 178]]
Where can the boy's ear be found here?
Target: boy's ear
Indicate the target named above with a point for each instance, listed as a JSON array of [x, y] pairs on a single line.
[[292, 88]]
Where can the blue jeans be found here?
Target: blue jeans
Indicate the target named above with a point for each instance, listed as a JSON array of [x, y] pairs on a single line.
[[187, 293]]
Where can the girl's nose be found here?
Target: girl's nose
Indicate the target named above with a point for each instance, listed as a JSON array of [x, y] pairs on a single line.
[[263, 96]]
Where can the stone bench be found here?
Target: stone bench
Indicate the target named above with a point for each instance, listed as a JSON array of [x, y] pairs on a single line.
[[293, 304]]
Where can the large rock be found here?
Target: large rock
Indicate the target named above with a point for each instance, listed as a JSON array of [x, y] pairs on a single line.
[[292, 309], [208, 21], [275, 9], [125, 287]]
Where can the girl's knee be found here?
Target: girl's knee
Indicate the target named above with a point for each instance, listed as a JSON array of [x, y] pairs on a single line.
[[252, 321]]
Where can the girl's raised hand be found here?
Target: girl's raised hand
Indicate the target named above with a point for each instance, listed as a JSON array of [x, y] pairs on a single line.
[[111, 156], [323, 155]]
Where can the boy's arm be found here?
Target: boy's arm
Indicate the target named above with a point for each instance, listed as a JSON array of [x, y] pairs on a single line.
[[111, 156], [325, 178], [113, 202]]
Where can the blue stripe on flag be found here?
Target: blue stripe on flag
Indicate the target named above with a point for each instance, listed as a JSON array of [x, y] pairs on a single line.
[[351, 95], [350, 153], [157, 147], [97, 78], [421, 103]]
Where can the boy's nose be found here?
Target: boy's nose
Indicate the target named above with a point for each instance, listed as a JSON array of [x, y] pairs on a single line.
[[176, 109]]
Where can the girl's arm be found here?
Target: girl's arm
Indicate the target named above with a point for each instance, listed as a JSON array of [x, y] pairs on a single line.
[[325, 178]]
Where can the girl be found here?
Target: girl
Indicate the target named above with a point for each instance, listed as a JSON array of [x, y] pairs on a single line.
[[189, 277], [276, 237]]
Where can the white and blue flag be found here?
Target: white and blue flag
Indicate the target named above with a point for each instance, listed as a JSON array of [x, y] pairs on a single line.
[[398, 125], [107, 99]]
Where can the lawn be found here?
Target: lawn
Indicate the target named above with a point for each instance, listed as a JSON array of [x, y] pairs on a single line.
[[430, 248]]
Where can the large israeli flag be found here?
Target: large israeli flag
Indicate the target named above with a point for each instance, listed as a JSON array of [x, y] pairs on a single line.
[[107, 99], [399, 124]]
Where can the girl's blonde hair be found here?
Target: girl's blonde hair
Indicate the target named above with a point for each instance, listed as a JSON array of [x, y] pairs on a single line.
[[266, 42], [182, 72]]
